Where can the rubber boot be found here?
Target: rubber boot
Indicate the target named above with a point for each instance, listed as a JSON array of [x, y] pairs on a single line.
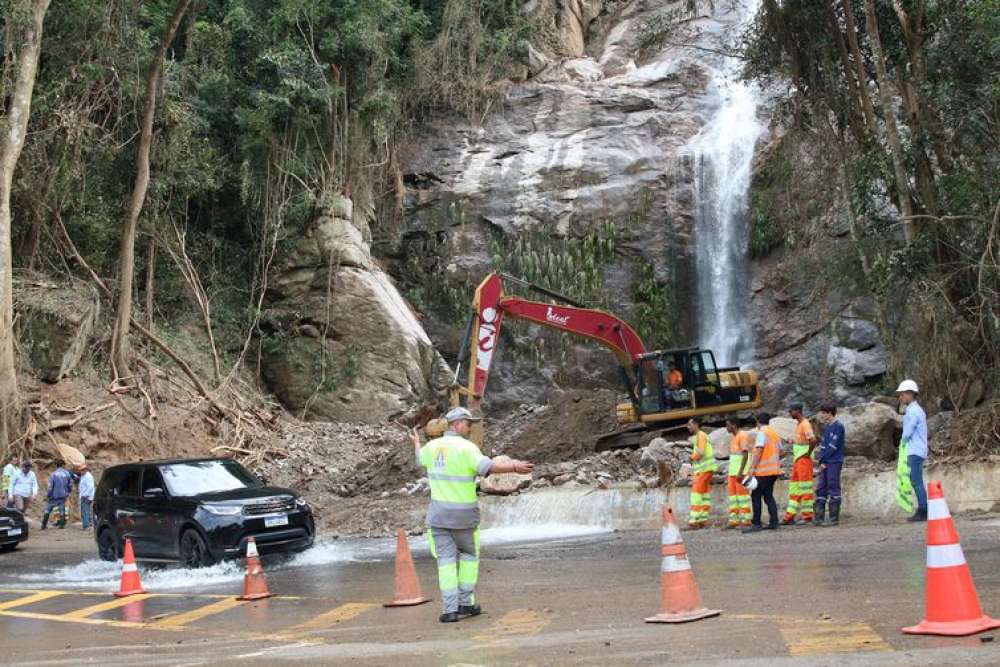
[[834, 513], [919, 515], [819, 513], [45, 520]]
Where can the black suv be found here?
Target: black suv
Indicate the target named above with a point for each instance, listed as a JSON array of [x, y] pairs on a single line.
[[197, 511], [13, 529]]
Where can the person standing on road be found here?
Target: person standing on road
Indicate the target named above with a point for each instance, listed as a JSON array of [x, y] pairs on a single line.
[[60, 487], [914, 444], [739, 464], [702, 468], [452, 462], [800, 486], [765, 468], [23, 487], [86, 496], [9, 471], [831, 461]]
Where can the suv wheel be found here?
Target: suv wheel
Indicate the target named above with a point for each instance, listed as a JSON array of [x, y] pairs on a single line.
[[106, 548], [193, 551]]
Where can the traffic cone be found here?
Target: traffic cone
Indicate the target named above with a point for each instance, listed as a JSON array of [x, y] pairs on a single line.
[[952, 606], [254, 583], [681, 601], [408, 592], [130, 574]]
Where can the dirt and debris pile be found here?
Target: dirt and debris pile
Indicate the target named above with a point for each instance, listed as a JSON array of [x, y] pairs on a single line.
[[566, 429]]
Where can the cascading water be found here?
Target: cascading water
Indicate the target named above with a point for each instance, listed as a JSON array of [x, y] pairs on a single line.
[[723, 155]]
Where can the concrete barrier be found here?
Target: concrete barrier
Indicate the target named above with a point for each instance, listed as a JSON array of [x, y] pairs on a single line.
[[866, 496]]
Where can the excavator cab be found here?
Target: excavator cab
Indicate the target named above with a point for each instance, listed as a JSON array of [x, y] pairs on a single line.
[[702, 388]]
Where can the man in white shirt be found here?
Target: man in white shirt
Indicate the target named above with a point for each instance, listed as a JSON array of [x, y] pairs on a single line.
[[915, 439], [86, 496], [9, 471], [23, 487]]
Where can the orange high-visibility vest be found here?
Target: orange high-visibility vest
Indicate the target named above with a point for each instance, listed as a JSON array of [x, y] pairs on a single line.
[[769, 463]]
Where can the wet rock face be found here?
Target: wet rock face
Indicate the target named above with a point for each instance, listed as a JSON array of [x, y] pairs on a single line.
[[599, 134], [871, 430], [341, 343]]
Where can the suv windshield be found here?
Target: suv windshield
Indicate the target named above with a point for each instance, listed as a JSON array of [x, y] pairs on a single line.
[[197, 477]]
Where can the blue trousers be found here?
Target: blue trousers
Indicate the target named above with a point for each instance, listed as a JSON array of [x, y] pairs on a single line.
[[917, 480], [85, 511], [828, 482]]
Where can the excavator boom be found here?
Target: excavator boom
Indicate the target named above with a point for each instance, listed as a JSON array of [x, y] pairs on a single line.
[[491, 306]]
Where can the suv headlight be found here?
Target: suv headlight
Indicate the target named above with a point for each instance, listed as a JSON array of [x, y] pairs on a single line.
[[223, 510], [301, 502]]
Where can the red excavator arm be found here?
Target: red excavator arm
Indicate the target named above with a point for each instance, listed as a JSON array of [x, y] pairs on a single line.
[[490, 306]]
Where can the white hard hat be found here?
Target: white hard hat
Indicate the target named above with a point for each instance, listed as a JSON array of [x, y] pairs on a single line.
[[750, 483], [907, 385]]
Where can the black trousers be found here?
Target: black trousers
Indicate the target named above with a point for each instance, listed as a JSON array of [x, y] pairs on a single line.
[[765, 491]]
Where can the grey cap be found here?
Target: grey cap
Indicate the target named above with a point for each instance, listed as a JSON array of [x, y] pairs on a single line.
[[458, 414]]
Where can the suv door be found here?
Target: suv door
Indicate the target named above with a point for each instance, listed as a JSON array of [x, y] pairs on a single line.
[[125, 511], [155, 520]]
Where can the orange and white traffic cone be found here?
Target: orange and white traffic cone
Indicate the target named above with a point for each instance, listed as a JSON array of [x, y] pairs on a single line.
[[130, 584], [681, 600], [254, 583], [952, 606], [408, 592]]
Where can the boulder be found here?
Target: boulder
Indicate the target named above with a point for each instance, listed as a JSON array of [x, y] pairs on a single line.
[[855, 367], [341, 343], [871, 430], [55, 323], [506, 483]]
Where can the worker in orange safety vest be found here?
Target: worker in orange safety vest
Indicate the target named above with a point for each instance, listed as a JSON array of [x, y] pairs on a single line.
[[800, 485]]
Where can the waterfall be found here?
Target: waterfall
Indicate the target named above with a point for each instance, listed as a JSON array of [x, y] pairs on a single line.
[[722, 156]]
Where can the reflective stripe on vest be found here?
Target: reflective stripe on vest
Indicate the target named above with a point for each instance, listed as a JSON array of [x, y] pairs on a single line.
[[451, 470], [803, 432], [706, 463], [769, 463]]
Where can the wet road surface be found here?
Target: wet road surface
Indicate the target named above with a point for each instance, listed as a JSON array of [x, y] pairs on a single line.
[[801, 596]]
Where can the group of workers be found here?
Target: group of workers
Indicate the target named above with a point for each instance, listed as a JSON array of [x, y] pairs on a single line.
[[20, 487], [755, 466]]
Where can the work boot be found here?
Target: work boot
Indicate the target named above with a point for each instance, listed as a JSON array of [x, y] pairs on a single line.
[[469, 610], [754, 528], [45, 521], [449, 617], [834, 513], [919, 515], [820, 515]]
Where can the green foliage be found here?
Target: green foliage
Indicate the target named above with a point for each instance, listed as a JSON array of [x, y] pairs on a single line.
[[766, 233], [656, 312]]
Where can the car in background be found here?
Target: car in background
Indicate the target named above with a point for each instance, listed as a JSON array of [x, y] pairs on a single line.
[[196, 511], [13, 529]]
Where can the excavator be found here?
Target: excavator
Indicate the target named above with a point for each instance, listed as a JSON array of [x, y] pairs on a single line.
[[664, 387]]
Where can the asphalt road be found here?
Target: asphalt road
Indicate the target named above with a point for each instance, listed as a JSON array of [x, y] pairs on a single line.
[[798, 596]]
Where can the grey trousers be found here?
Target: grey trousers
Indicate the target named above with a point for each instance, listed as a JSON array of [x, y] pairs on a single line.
[[457, 554]]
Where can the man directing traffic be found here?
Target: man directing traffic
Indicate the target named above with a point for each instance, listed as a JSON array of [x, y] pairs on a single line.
[[453, 462]]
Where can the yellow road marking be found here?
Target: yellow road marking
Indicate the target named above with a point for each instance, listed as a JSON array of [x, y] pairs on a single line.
[[155, 595], [86, 621], [180, 620], [825, 637], [516, 623], [38, 596], [344, 612], [105, 606]]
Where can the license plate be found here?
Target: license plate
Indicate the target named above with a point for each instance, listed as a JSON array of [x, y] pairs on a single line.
[[274, 521], [13, 531]]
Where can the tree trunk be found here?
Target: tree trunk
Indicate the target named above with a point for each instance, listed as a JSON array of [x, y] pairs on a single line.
[[889, 115], [126, 251], [855, 111], [859, 66], [11, 143]]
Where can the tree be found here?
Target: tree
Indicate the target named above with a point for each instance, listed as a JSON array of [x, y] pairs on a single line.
[[14, 130], [126, 251]]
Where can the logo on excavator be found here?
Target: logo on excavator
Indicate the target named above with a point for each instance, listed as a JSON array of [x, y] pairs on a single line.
[[556, 319]]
